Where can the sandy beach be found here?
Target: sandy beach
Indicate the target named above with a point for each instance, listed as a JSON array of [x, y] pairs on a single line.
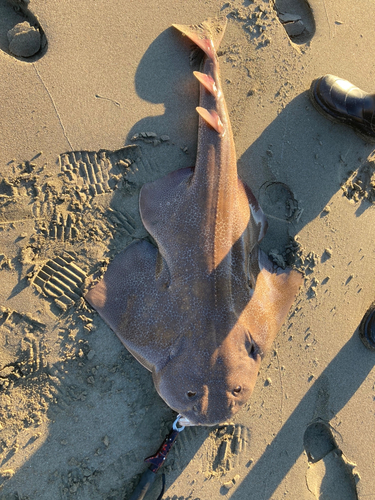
[[106, 104]]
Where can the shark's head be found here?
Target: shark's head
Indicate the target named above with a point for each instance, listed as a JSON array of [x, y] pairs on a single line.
[[209, 386]]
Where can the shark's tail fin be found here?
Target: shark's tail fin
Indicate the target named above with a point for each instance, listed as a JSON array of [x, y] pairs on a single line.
[[206, 35]]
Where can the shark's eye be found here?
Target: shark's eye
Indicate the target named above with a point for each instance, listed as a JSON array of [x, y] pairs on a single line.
[[190, 394], [237, 390]]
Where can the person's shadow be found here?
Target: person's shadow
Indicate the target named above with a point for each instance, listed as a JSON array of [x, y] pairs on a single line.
[[164, 76], [295, 167], [300, 153]]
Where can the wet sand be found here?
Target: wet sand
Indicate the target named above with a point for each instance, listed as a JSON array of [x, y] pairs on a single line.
[[109, 104]]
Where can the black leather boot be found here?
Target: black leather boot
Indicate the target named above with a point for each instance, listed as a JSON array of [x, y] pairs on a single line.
[[367, 328], [340, 101]]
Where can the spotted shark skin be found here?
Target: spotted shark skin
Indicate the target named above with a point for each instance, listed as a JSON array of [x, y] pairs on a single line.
[[202, 307]]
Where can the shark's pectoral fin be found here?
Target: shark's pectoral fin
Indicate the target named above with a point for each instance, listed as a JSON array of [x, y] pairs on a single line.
[[129, 297], [274, 293], [162, 205]]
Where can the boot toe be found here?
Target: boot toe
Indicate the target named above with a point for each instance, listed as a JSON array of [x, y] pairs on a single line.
[[341, 101]]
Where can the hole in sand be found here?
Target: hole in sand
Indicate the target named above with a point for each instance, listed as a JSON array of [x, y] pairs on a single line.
[[330, 476], [297, 18], [21, 35]]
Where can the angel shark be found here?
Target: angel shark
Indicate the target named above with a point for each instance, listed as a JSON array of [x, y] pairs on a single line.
[[202, 307]]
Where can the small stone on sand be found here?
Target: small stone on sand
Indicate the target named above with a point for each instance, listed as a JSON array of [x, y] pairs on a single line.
[[288, 18], [294, 28], [90, 355], [24, 40]]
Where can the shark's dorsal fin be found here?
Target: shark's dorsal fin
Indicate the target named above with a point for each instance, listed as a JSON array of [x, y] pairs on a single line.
[[207, 81], [212, 118]]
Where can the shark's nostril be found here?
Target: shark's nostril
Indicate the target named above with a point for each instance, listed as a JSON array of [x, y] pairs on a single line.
[[191, 394]]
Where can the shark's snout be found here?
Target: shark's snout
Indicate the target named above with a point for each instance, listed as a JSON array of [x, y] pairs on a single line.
[[213, 407]]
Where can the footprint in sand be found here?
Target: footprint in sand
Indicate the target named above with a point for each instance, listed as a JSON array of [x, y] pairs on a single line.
[[330, 476], [21, 35], [297, 19]]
